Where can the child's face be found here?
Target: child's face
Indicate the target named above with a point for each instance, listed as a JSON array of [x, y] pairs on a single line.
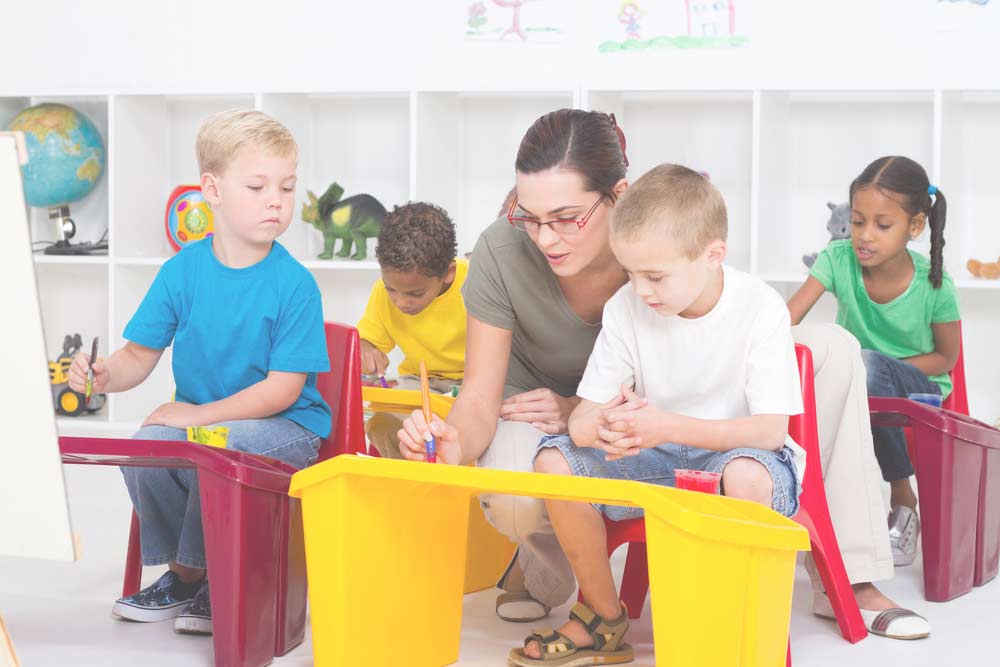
[[880, 227], [667, 280], [254, 197], [412, 291], [558, 195]]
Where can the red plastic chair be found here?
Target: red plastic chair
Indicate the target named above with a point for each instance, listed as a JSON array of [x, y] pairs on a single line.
[[247, 631], [813, 514], [957, 463]]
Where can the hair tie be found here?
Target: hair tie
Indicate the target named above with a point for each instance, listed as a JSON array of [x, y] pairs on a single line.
[[621, 137], [932, 190]]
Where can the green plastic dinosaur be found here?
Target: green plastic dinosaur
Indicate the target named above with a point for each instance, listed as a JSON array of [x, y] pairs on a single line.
[[354, 220]]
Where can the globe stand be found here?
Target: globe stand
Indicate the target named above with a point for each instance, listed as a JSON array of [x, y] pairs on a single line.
[[65, 230]]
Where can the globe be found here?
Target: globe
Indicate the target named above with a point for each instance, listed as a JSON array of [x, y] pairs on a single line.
[[66, 154]]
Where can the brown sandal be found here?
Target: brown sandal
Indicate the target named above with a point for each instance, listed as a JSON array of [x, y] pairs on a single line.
[[558, 650]]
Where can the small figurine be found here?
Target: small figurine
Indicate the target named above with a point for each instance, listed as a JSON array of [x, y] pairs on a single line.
[[987, 270], [354, 220]]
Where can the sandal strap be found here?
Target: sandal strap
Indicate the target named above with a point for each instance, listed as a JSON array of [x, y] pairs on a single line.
[[549, 642], [607, 636]]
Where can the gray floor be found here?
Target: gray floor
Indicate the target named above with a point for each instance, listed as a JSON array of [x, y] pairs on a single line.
[[59, 614]]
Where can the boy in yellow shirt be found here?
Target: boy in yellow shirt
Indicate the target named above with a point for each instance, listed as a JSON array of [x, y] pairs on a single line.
[[417, 306]]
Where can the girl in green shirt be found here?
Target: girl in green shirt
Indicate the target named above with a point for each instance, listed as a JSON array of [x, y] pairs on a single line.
[[901, 307]]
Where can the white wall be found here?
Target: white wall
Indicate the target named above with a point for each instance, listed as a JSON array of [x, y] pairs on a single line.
[[67, 46]]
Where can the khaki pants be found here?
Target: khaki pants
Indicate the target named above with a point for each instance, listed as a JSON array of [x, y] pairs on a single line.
[[851, 476], [523, 520], [382, 427]]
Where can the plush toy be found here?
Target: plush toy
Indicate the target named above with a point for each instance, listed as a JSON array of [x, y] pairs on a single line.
[[354, 220], [988, 270], [839, 226]]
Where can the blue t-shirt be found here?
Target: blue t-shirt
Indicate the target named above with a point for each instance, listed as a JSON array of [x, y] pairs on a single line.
[[230, 327]]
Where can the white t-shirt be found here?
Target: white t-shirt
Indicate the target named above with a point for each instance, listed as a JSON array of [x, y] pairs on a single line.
[[738, 360]]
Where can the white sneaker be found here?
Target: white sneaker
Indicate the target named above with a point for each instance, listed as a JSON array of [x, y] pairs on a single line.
[[904, 529]]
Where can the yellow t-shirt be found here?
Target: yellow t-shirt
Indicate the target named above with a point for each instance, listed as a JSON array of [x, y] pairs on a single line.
[[436, 334]]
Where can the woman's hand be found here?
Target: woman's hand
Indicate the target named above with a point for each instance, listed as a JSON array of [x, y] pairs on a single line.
[[542, 408], [412, 439]]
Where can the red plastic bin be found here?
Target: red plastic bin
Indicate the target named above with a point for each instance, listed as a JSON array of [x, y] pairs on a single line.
[[244, 505], [957, 463]]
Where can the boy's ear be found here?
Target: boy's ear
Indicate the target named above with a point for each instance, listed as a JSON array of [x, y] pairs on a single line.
[[917, 224], [210, 188], [449, 277], [715, 253], [619, 188]]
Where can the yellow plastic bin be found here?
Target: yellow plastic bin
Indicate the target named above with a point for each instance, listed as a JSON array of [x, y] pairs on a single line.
[[386, 546], [489, 552]]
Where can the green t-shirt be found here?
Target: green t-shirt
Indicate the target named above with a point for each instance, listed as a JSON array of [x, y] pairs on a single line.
[[900, 328]]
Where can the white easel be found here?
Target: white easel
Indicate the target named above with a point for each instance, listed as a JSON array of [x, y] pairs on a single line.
[[31, 472]]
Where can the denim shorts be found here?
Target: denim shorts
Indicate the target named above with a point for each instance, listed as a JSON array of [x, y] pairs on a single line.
[[656, 465]]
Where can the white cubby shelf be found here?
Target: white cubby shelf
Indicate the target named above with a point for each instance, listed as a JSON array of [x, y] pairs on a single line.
[[777, 155]]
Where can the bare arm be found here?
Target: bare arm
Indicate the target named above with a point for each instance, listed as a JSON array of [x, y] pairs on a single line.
[[583, 423], [472, 421], [649, 426], [125, 369], [264, 399], [804, 299], [947, 341], [758, 431], [475, 413], [275, 393]]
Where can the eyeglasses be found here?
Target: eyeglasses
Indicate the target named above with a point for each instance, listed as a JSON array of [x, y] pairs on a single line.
[[562, 227]]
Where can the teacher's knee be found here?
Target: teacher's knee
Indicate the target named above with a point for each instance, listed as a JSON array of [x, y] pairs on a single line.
[[516, 517]]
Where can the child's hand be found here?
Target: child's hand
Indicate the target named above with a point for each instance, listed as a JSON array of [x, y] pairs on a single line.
[[78, 374], [412, 444], [633, 426], [176, 415], [373, 360], [626, 401]]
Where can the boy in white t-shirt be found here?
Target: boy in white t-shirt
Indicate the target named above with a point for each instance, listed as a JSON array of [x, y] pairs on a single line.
[[694, 368]]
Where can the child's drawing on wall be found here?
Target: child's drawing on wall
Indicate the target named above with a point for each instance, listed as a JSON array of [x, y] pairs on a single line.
[[677, 24]]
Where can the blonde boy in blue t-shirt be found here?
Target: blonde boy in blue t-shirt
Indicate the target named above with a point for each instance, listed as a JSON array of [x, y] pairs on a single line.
[[246, 323]]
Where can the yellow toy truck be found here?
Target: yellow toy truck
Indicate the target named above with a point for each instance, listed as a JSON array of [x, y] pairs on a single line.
[[68, 402]]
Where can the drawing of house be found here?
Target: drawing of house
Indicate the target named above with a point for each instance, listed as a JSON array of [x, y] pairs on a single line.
[[710, 18]]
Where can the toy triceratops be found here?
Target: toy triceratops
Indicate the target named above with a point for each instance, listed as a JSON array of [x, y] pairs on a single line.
[[354, 220], [839, 226]]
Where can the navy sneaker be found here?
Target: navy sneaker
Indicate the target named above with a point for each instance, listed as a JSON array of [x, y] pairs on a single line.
[[197, 618], [164, 599]]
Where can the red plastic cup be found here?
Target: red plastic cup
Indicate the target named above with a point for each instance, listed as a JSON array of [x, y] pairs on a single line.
[[697, 480]]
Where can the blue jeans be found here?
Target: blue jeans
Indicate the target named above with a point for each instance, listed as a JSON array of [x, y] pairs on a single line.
[[167, 501], [891, 377], [656, 465]]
